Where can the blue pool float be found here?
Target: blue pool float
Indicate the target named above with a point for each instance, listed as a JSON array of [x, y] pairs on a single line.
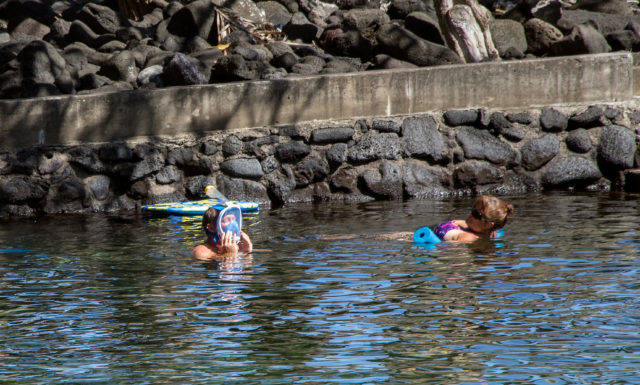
[[425, 235]]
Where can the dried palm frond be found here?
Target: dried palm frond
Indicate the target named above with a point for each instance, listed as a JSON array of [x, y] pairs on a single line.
[[227, 21]]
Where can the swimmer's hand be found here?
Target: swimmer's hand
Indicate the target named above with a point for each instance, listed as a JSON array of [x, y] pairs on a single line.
[[228, 244], [245, 243]]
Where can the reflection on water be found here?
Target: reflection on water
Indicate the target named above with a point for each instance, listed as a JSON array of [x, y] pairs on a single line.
[[121, 300]]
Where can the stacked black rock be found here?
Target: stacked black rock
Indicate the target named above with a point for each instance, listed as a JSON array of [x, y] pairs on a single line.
[[76, 46]]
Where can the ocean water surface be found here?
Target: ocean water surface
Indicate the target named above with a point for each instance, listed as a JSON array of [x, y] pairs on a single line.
[[104, 299]]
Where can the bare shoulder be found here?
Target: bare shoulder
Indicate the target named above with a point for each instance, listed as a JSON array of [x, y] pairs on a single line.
[[461, 236], [203, 252]]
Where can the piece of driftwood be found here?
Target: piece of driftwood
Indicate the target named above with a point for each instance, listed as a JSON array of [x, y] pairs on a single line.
[[465, 27]]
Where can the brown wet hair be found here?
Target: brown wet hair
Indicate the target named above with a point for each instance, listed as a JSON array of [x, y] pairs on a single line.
[[210, 217], [491, 209]]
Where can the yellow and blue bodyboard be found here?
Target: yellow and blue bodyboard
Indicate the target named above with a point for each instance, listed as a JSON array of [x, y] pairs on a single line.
[[197, 207]]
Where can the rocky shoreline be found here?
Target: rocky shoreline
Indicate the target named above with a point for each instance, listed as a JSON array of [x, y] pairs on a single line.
[[75, 46], [426, 156]]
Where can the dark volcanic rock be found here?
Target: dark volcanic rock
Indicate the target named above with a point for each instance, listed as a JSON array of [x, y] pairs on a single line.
[[573, 171], [385, 182], [347, 36], [421, 181], [21, 189], [480, 144], [455, 118], [292, 151], [405, 45], [474, 173], [592, 117], [616, 149], [374, 146], [579, 141], [331, 135], [424, 26], [552, 120], [242, 168], [421, 139], [537, 152], [583, 39], [310, 170], [179, 70]]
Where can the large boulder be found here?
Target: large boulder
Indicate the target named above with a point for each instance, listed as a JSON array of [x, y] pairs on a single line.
[[552, 120], [101, 19], [299, 27], [365, 21], [454, 118], [331, 135], [537, 152], [579, 141], [275, 13], [121, 67], [291, 152], [20, 189], [42, 63], [583, 39], [424, 26], [384, 182], [508, 35], [311, 169], [421, 139], [280, 185], [616, 149], [347, 43], [197, 18], [540, 36], [242, 168], [604, 22], [242, 189], [474, 173], [373, 146], [480, 144], [405, 45], [421, 181], [179, 70], [572, 171]]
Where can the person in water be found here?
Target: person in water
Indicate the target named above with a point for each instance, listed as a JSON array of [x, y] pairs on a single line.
[[487, 215], [217, 245]]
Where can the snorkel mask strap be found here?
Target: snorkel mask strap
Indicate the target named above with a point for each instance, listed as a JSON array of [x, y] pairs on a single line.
[[215, 235]]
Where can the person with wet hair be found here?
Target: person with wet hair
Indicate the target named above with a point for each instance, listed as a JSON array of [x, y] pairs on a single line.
[[221, 244], [487, 215]]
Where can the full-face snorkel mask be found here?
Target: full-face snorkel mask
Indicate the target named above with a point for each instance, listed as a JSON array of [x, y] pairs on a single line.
[[229, 219]]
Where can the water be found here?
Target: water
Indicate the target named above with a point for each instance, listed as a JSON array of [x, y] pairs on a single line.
[[104, 299]]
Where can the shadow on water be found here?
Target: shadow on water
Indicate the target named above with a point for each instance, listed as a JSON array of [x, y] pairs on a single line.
[[120, 298]]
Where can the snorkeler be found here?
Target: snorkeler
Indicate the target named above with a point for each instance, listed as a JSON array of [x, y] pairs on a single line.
[[224, 235], [487, 215]]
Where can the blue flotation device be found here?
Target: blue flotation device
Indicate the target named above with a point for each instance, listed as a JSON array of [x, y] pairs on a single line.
[[425, 235]]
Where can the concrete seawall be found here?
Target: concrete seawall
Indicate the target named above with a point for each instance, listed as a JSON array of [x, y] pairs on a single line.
[[500, 128], [197, 110]]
